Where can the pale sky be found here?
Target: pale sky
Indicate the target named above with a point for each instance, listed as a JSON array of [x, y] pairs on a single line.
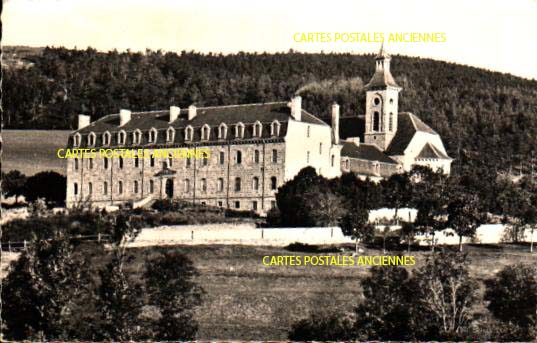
[[498, 35]]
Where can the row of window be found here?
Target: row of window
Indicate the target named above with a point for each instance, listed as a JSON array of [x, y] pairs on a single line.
[[237, 204], [377, 124], [203, 186], [204, 161], [152, 134]]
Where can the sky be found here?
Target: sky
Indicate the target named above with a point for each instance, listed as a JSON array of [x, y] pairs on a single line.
[[497, 35]]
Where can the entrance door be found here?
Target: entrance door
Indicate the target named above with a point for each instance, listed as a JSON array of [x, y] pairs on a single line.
[[169, 188]]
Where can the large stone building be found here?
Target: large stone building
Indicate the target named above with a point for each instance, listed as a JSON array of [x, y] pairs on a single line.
[[252, 149]]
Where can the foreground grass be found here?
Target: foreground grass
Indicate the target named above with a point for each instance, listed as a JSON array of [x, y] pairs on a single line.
[[246, 300]]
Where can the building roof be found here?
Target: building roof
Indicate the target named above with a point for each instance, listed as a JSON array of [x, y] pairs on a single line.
[[381, 79], [407, 125], [369, 152], [247, 114], [430, 151]]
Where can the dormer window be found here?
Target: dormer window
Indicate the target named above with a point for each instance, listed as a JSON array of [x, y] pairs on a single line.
[[170, 135], [258, 128], [152, 135], [121, 137], [137, 137], [91, 139], [76, 139], [106, 138], [205, 132], [275, 128], [222, 131], [239, 130], [189, 133]]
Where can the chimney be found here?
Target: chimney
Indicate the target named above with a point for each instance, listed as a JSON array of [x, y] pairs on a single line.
[[296, 108], [124, 117], [174, 113], [191, 112], [83, 121], [335, 122]]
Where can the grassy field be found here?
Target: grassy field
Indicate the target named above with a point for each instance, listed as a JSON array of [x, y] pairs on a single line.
[[33, 151], [246, 300]]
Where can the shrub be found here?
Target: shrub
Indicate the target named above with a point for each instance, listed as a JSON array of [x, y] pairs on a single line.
[[318, 327]]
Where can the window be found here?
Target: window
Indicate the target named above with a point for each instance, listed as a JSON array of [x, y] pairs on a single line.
[[188, 162], [106, 138], [308, 131], [170, 161], [391, 122], [152, 135], [105, 163], [135, 187], [239, 130], [204, 185], [152, 161], [347, 164], [254, 205], [75, 188], [90, 188], [307, 157], [255, 183], [137, 137], [120, 162], [376, 101], [170, 135], [237, 184], [205, 132], [222, 156], [91, 139], [257, 129], [90, 163], [273, 204], [187, 185], [189, 132], [151, 186], [222, 131], [76, 139], [333, 158], [239, 157], [220, 204], [76, 163], [275, 128], [121, 137], [376, 121], [320, 148], [204, 203], [273, 183], [274, 156], [120, 187], [391, 101], [136, 162], [105, 188], [205, 161], [220, 185], [237, 204], [256, 156]]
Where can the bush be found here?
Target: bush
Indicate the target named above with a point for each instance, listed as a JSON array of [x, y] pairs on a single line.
[[322, 328]]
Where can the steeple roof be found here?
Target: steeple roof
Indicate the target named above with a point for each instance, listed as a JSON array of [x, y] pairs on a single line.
[[382, 77]]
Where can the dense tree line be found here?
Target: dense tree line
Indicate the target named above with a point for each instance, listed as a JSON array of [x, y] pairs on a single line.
[[487, 119], [47, 185]]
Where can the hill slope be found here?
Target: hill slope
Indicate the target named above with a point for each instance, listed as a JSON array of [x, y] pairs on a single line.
[[486, 118]]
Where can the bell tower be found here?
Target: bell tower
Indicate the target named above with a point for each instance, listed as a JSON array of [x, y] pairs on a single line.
[[382, 97]]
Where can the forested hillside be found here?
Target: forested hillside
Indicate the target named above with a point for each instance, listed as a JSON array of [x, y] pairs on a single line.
[[486, 119]]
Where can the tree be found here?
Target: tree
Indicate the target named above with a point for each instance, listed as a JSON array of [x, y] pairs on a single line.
[[48, 185], [464, 214], [397, 192], [170, 288], [13, 183], [512, 297], [317, 327], [444, 295], [529, 218]]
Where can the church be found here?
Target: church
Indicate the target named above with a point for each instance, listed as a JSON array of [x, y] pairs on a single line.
[[251, 149]]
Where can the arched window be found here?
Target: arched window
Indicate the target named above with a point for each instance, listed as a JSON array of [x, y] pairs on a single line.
[[120, 187], [90, 163], [275, 128], [76, 139], [120, 162], [90, 188], [220, 184], [151, 186], [205, 161], [239, 130], [273, 183], [91, 139], [204, 185], [255, 183], [75, 188], [152, 135], [376, 121], [152, 160], [135, 187], [105, 163], [333, 160], [137, 137], [105, 188], [189, 133], [391, 121], [222, 131], [256, 156], [239, 157], [205, 132], [106, 138], [136, 162], [237, 184], [121, 137], [257, 129], [76, 163], [222, 157], [187, 185], [170, 135], [170, 160]]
